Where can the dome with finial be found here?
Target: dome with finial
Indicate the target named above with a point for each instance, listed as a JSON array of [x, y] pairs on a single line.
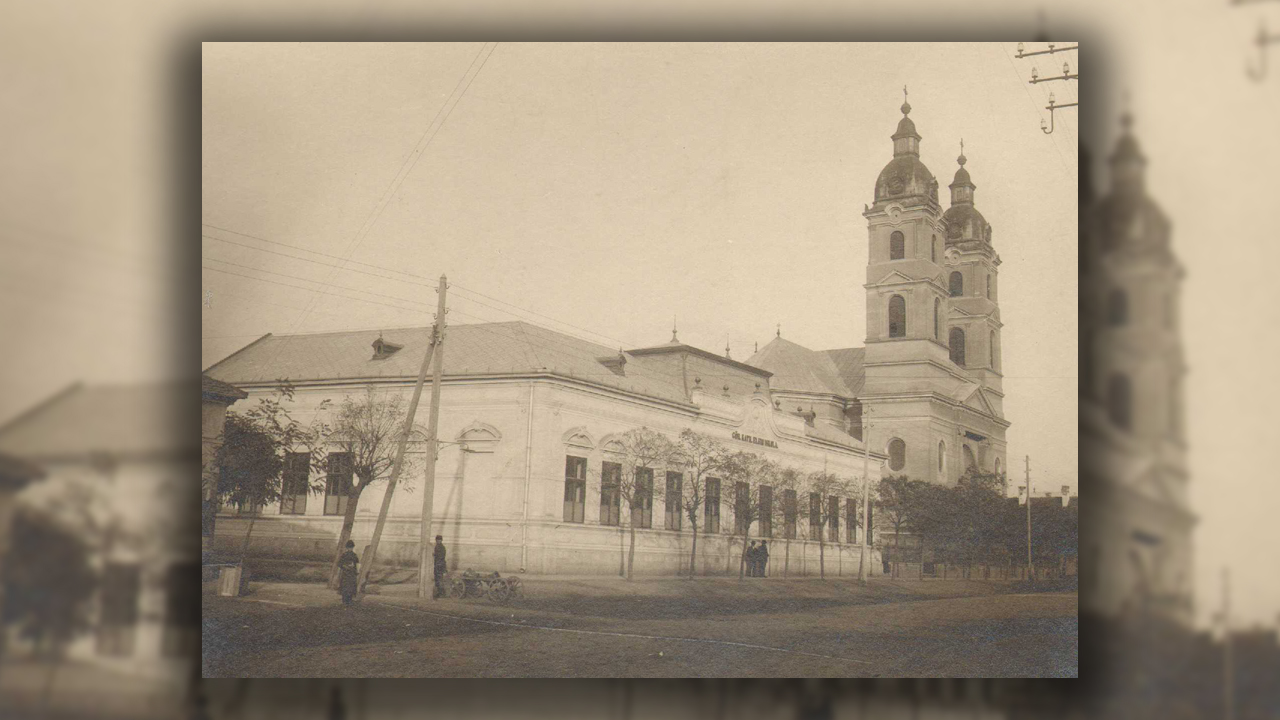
[[964, 222], [1127, 219], [905, 176]]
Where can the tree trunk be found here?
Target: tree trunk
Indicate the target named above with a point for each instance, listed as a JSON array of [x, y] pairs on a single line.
[[631, 552], [693, 553], [822, 555], [742, 562], [348, 522], [786, 560], [244, 547], [55, 660]]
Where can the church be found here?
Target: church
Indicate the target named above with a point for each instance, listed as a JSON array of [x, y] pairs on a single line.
[[528, 415]]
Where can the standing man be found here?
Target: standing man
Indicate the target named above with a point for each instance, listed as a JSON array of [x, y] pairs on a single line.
[[348, 565], [440, 567], [751, 559], [764, 559]]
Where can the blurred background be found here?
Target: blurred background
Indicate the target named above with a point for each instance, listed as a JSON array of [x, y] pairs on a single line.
[[98, 135]]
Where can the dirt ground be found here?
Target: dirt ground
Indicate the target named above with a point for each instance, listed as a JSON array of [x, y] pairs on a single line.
[[607, 627]]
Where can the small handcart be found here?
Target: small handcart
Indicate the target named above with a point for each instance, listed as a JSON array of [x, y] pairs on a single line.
[[494, 586]]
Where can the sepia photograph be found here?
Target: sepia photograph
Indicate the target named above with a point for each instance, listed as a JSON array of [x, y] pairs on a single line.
[[635, 360]]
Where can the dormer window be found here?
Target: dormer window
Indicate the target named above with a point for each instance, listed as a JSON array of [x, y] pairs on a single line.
[[383, 349]]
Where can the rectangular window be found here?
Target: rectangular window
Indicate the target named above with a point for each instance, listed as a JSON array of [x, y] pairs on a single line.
[[712, 506], [575, 489], [642, 499], [121, 585], [851, 519], [675, 486], [337, 483], [741, 508], [293, 490], [815, 516], [610, 499], [766, 511], [833, 519], [789, 511]]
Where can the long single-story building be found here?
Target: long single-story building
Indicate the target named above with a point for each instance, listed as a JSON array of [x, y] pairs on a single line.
[[530, 419]]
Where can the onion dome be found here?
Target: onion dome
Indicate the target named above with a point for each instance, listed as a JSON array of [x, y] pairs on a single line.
[[905, 176], [964, 222]]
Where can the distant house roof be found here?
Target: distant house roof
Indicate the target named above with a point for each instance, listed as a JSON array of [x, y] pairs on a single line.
[[15, 472], [120, 420], [211, 389], [799, 369], [504, 348]]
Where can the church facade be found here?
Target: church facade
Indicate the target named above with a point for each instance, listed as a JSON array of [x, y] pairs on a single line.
[[531, 417], [1138, 554]]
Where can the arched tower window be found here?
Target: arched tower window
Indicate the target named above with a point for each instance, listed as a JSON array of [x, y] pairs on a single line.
[[1118, 307], [995, 350], [997, 467], [955, 284], [988, 286], [970, 463], [937, 319], [897, 246], [956, 344], [1120, 401], [897, 454], [897, 317], [942, 457], [933, 249]]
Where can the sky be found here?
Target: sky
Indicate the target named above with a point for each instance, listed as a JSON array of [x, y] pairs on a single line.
[[616, 189]]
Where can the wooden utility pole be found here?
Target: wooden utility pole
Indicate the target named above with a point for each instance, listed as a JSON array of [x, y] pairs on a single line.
[[367, 563], [425, 564], [1031, 568], [865, 557]]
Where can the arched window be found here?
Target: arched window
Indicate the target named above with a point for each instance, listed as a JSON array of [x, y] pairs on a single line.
[[969, 462], [1118, 307], [988, 286], [995, 351], [897, 454], [937, 319], [897, 317], [897, 246], [956, 343], [933, 249], [955, 284], [1120, 401], [942, 457], [997, 466]]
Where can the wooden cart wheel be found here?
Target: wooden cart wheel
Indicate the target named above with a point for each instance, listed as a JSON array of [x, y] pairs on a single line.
[[517, 588], [457, 589], [499, 591]]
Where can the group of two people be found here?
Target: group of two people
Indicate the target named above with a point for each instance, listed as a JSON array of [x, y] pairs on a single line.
[[757, 558], [349, 577]]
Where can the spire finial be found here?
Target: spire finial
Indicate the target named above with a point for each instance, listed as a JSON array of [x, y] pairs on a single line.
[[673, 329], [726, 348], [962, 159], [906, 106], [779, 329]]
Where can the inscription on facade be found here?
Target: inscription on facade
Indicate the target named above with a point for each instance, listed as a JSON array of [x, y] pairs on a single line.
[[754, 440]]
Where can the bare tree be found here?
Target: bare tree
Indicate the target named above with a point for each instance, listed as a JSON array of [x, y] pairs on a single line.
[[365, 432], [822, 486], [638, 454], [747, 472], [700, 457], [787, 484]]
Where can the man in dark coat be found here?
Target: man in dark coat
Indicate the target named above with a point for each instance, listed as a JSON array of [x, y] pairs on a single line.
[[348, 566], [763, 567], [441, 567]]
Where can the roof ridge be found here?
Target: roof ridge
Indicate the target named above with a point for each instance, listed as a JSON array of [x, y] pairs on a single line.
[[41, 406]]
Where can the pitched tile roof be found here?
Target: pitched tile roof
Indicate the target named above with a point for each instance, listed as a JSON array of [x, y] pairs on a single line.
[[503, 348], [797, 368], [218, 390], [116, 419]]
